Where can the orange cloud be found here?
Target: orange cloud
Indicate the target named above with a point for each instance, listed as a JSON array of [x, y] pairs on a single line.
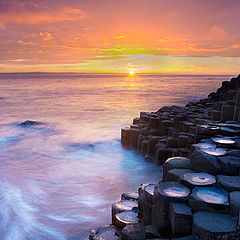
[[32, 17], [46, 36], [24, 43]]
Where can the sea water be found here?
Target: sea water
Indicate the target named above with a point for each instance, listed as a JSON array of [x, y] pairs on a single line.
[[59, 177]]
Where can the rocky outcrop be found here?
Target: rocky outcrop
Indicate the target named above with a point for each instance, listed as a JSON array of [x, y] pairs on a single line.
[[199, 148]]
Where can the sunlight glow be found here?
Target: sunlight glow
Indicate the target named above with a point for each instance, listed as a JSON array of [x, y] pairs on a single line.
[[131, 73]]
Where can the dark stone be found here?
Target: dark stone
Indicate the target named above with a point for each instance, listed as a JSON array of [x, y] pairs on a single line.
[[144, 147], [180, 219], [210, 199], [144, 117], [30, 123], [230, 183], [154, 121], [209, 130], [151, 232], [235, 203], [130, 196], [121, 206], [139, 142], [133, 232], [215, 115], [105, 233], [126, 217], [172, 142], [161, 154], [214, 226], [175, 162], [152, 141], [234, 153], [136, 120], [203, 162], [145, 202], [165, 193], [230, 165], [182, 141], [194, 179], [174, 174]]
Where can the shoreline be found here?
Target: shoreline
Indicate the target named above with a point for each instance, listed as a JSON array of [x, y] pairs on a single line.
[[199, 148]]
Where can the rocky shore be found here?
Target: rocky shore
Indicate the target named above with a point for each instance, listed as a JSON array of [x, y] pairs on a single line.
[[198, 196]]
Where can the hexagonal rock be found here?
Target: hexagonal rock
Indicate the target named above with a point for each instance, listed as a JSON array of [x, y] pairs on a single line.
[[203, 162], [214, 226], [126, 217], [145, 202], [161, 154], [165, 193], [133, 232], [230, 165], [121, 206], [174, 174], [223, 141], [130, 196], [105, 233], [210, 199], [234, 198], [194, 179], [175, 162], [230, 183], [207, 129], [180, 219]]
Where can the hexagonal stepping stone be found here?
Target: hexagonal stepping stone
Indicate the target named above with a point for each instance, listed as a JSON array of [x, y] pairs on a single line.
[[204, 162], [176, 162], [230, 165], [230, 183], [234, 198], [121, 206], [174, 174], [207, 129], [216, 152], [194, 179], [209, 199], [165, 193], [146, 192], [130, 196], [105, 233], [126, 217], [180, 219], [204, 145], [212, 226], [224, 142], [133, 232]]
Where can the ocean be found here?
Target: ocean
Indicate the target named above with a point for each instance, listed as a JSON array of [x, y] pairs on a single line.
[[58, 178]]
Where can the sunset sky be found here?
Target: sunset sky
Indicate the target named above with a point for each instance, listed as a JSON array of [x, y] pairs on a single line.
[[165, 36]]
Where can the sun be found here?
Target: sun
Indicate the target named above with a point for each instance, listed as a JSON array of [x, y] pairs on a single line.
[[131, 73]]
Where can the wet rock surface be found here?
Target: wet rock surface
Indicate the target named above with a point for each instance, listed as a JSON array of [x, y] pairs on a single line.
[[105, 233], [209, 199], [193, 180], [199, 148], [126, 217], [212, 226]]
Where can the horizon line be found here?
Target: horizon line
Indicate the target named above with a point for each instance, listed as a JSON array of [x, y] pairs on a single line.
[[121, 73]]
